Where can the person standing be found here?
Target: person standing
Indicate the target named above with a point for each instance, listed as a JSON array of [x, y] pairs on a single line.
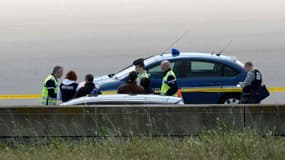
[[169, 84], [250, 85], [140, 69], [88, 87], [131, 87], [50, 87], [67, 88]]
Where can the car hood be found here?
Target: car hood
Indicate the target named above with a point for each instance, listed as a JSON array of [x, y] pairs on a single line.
[[99, 79]]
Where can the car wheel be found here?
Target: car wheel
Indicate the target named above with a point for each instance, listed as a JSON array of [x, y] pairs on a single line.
[[230, 99]]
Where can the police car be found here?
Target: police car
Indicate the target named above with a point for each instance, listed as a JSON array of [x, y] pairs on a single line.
[[203, 78]]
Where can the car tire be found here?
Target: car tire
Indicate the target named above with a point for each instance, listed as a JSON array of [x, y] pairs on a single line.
[[230, 99]]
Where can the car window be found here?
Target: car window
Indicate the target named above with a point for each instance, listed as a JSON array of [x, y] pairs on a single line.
[[230, 72], [124, 73], [179, 68], [155, 71], [205, 69]]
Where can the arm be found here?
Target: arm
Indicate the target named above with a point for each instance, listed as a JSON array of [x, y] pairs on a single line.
[[121, 90], [141, 90], [80, 85], [248, 80], [78, 93], [171, 81], [59, 96], [51, 88]]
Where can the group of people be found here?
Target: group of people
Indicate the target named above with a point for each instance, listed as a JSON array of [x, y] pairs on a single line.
[[138, 83], [53, 92]]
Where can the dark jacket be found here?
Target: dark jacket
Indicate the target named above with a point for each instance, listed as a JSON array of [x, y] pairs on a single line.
[[148, 90], [130, 88], [67, 90], [86, 90], [252, 82]]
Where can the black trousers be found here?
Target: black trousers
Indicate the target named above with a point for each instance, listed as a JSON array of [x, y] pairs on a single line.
[[248, 98]]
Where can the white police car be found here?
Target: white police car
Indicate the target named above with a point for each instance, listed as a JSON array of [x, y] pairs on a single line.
[[203, 78]]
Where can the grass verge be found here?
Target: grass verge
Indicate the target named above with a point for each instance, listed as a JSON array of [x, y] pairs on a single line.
[[210, 145]]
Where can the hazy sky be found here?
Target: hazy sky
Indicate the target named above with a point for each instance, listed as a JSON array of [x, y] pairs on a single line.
[[58, 14], [46, 24], [44, 11]]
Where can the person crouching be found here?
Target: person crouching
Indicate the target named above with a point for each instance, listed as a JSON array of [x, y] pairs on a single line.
[[131, 87], [88, 87]]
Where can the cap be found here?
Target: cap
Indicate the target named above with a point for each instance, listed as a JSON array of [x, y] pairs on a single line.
[[138, 61]]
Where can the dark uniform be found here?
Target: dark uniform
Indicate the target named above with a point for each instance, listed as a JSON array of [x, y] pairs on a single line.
[[49, 91], [67, 90], [250, 87], [86, 90], [169, 85]]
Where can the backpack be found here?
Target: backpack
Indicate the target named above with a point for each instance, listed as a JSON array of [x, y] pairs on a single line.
[[257, 83]]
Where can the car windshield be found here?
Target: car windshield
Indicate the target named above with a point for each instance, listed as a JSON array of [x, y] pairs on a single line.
[[124, 72]]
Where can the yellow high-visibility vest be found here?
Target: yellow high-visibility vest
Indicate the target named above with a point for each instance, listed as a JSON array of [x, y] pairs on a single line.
[[141, 76], [165, 87], [46, 99]]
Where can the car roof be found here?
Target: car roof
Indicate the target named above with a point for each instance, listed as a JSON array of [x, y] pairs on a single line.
[[231, 61], [195, 55]]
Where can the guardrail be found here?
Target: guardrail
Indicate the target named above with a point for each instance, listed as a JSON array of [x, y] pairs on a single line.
[[90, 121], [37, 96]]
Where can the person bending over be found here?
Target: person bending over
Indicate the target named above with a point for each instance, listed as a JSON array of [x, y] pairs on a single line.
[[131, 87]]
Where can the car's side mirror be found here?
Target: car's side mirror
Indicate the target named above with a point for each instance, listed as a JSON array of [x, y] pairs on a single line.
[[111, 75]]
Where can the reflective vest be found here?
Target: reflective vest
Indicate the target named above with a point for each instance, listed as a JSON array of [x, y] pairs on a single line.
[[165, 87], [141, 76], [46, 100]]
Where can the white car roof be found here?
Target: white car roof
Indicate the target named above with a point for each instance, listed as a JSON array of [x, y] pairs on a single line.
[[124, 98]]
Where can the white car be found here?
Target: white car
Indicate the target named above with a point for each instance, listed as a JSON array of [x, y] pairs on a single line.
[[123, 99]]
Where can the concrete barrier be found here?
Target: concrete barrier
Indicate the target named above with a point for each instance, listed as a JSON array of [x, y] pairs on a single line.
[[30, 121]]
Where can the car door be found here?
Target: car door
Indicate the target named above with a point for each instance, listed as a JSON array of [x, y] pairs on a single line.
[[202, 81]]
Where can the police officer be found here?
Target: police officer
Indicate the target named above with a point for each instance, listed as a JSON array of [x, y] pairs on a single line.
[[140, 69], [169, 85], [50, 88], [250, 85], [67, 88]]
